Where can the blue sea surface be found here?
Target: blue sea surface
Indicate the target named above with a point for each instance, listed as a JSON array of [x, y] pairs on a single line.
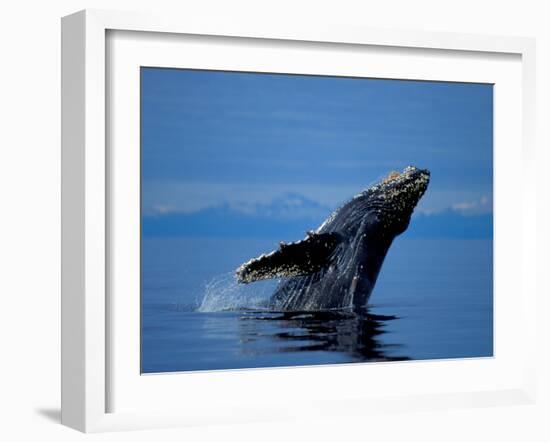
[[433, 300]]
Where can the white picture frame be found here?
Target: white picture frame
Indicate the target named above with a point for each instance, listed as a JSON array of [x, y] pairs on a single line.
[[87, 203]]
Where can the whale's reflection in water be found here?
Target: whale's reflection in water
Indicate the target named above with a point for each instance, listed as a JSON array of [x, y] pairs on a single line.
[[354, 335]]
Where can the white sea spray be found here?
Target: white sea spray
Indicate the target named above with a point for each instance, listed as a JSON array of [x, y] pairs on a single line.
[[224, 293]]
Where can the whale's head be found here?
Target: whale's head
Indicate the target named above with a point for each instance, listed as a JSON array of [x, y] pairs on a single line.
[[393, 199]]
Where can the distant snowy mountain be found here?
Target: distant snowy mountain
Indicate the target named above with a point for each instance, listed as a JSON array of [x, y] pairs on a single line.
[[290, 216], [291, 206]]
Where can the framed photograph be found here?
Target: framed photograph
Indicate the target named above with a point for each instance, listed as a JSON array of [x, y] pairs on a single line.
[[261, 221]]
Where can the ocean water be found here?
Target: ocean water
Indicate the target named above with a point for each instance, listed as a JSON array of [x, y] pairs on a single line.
[[433, 300]]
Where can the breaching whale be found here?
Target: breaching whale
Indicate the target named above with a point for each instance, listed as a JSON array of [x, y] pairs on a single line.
[[336, 266]]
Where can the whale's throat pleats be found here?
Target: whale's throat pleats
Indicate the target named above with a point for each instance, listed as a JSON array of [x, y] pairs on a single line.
[[295, 259]]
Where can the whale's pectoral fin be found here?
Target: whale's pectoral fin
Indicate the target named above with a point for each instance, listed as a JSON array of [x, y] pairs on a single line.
[[294, 259]]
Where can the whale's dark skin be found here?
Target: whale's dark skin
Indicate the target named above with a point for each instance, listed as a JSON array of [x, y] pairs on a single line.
[[336, 266]]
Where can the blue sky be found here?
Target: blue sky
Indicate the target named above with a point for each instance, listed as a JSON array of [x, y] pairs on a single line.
[[246, 140]]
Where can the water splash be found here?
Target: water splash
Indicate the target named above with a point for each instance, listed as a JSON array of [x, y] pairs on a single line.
[[224, 293]]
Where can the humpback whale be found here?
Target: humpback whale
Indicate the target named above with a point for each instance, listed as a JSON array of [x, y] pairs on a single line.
[[336, 266]]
